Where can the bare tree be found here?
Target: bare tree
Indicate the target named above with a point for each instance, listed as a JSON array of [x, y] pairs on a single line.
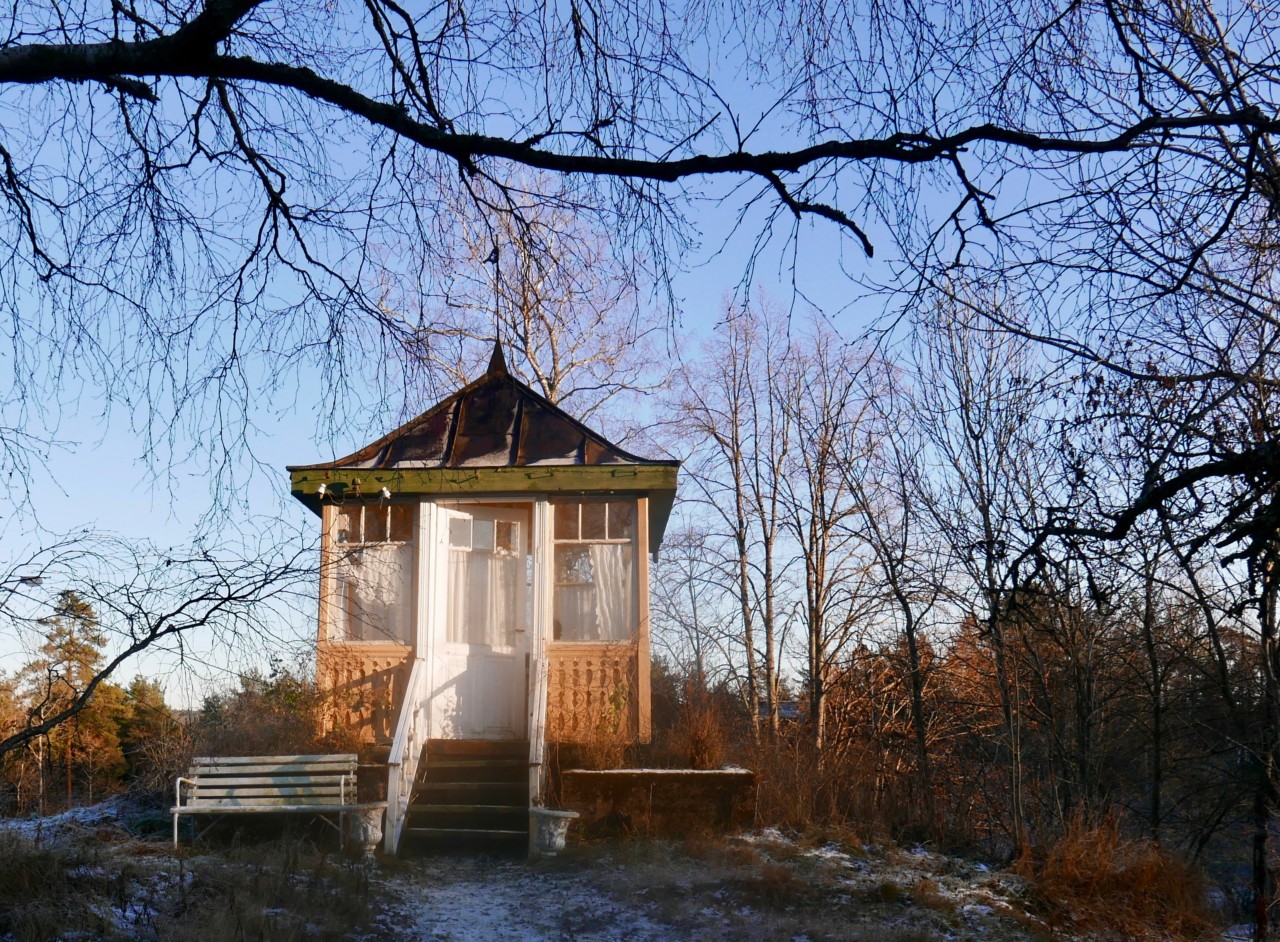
[[550, 286], [893, 522], [980, 400], [730, 414], [205, 187], [144, 598], [820, 398]]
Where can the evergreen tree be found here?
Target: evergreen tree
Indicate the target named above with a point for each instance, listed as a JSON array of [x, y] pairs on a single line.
[[86, 748]]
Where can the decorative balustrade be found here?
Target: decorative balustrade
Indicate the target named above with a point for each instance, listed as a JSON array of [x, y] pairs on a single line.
[[591, 692], [366, 685]]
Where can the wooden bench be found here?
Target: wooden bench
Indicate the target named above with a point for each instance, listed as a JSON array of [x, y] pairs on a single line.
[[319, 785]]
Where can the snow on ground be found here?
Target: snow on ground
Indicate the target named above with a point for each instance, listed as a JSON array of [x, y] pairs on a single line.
[[483, 899], [68, 825], [756, 887]]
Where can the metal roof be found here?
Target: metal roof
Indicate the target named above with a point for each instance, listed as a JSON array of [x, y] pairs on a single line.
[[495, 422]]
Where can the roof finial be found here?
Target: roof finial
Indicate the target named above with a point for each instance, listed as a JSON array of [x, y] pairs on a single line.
[[497, 362]]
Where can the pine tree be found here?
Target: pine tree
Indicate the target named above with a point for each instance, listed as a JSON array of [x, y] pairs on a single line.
[[87, 746]]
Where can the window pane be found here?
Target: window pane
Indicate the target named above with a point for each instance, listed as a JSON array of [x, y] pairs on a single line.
[[594, 593], [402, 522], [566, 521], [460, 532], [573, 565], [375, 524], [505, 536], [593, 521], [622, 519], [374, 589], [346, 529], [484, 599], [482, 536]]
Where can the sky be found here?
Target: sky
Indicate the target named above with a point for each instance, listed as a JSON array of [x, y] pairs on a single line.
[[96, 477]]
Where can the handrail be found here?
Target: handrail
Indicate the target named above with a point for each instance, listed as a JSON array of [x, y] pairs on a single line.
[[406, 754], [537, 727]]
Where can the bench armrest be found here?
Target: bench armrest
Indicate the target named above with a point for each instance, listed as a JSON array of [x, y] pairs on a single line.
[[177, 789]]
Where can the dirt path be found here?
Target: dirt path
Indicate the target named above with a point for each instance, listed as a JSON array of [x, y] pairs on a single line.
[[481, 899]]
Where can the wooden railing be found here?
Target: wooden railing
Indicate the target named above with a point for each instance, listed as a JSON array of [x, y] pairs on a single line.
[[592, 692], [406, 754], [537, 727]]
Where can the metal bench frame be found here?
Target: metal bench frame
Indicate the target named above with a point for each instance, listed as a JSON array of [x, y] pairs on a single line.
[[218, 785]]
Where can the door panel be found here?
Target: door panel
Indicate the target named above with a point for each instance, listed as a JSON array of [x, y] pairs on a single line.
[[480, 650]]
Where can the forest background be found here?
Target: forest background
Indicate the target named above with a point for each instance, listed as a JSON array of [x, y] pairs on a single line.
[[977, 537]]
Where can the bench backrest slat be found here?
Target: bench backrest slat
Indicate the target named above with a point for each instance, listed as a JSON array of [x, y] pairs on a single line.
[[294, 801], [338, 759], [271, 769], [249, 781], [269, 789]]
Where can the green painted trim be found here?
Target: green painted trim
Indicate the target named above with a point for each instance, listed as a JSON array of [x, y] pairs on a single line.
[[657, 481], [354, 484]]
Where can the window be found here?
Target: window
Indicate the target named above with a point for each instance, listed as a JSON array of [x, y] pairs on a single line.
[[373, 573], [488, 575], [595, 594]]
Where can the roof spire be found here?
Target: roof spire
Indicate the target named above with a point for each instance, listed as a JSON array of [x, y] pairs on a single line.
[[497, 362]]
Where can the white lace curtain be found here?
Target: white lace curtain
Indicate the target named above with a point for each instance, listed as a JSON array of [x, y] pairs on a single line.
[[374, 594], [594, 597]]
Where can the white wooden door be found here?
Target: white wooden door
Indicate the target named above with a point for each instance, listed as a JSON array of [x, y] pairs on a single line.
[[483, 570]]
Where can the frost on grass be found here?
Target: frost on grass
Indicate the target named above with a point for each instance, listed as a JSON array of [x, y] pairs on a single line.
[[759, 886], [88, 874]]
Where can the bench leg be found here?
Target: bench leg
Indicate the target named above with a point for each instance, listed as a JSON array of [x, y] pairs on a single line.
[[175, 832]]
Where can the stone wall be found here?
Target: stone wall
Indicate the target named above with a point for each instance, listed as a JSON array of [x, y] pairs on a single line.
[[660, 802]]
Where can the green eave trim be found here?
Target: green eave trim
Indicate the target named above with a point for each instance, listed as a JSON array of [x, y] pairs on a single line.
[[656, 481]]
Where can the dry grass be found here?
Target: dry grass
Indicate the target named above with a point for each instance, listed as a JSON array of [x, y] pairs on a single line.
[[283, 891], [699, 739], [806, 793], [1095, 878]]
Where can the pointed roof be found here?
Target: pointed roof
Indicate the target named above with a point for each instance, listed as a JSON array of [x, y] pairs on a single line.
[[496, 435], [495, 422]]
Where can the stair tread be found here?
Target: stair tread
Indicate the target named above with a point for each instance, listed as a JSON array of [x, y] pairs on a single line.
[[461, 808], [477, 747], [453, 762], [463, 832], [439, 785]]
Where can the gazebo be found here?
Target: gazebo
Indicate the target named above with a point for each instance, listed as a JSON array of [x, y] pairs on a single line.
[[484, 590]]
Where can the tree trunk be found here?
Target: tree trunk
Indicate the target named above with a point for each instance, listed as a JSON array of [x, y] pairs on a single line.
[[1264, 792]]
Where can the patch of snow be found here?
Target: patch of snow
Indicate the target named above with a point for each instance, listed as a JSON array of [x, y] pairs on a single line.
[[767, 836], [832, 853], [1240, 933], [70, 823]]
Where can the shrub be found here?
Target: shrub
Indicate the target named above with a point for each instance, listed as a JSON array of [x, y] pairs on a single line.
[[1094, 877], [279, 714]]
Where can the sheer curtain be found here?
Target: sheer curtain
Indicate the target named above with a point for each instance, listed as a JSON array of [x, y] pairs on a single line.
[[482, 594], [376, 585], [611, 574]]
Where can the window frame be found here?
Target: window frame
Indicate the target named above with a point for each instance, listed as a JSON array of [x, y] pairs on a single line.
[[633, 540], [340, 552]]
